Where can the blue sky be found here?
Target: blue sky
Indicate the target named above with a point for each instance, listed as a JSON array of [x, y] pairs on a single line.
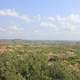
[[40, 19]]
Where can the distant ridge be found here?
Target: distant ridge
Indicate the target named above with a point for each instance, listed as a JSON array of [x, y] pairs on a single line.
[[21, 41]]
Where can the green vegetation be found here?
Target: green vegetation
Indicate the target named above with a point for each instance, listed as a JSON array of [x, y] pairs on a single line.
[[40, 62]]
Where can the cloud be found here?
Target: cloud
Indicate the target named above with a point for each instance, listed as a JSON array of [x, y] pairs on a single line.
[[48, 24], [36, 31], [14, 13], [14, 29], [11, 29], [56, 23], [8, 12], [2, 29], [41, 25], [70, 23], [25, 18]]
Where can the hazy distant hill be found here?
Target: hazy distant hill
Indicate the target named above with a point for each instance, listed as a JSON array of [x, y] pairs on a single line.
[[42, 42]]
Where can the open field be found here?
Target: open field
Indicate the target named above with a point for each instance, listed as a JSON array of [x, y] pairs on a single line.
[[40, 61]]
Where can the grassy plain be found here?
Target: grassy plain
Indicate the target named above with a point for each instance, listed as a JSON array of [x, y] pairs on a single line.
[[40, 61]]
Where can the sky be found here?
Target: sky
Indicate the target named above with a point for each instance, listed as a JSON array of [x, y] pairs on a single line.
[[40, 19]]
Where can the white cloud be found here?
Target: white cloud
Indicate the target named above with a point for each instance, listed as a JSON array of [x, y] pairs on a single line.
[[51, 18], [40, 25], [58, 23], [2, 29], [12, 29], [69, 23], [15, 28], [8, 12], [36, 31], [14, 13], [49, 25], [25, 18]]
